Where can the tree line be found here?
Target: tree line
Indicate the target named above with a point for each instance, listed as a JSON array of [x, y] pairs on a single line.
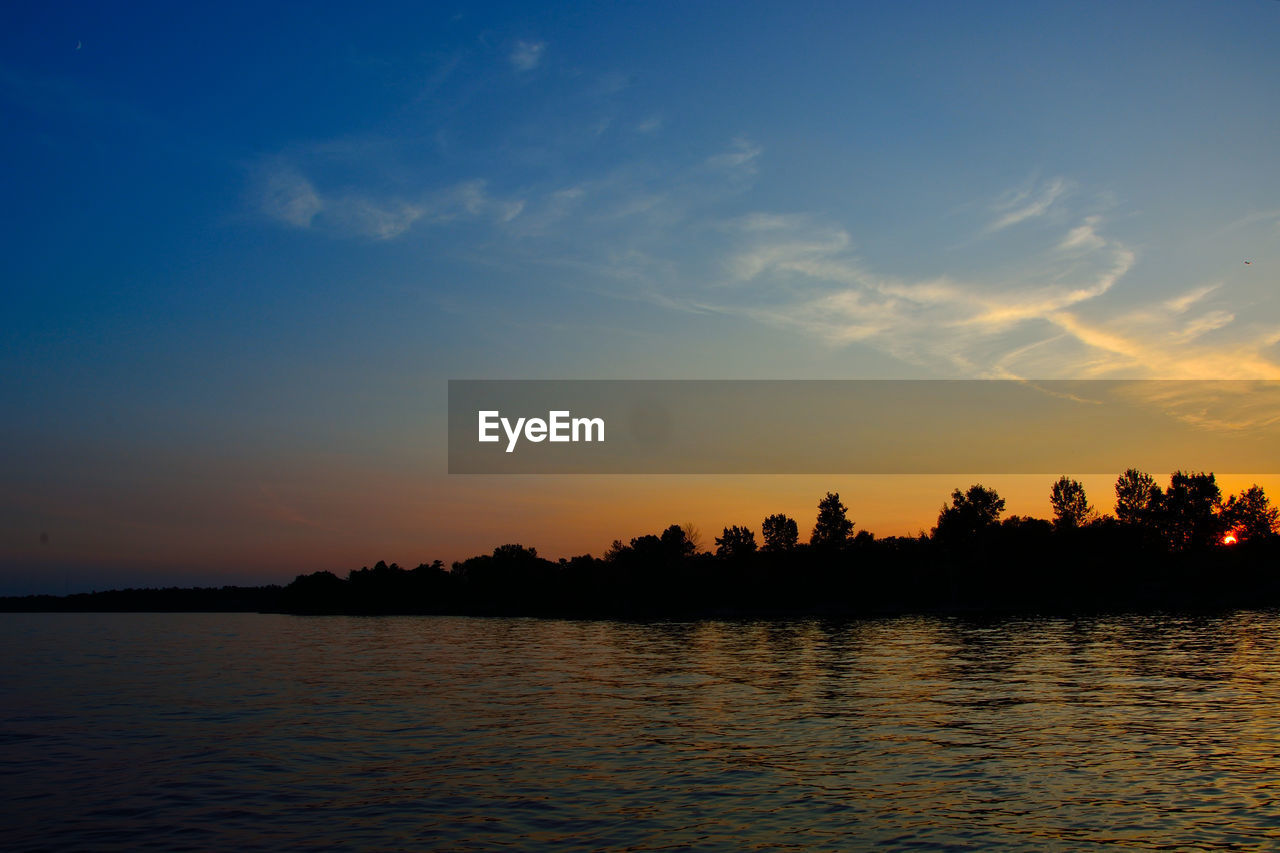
[[1180, 545]]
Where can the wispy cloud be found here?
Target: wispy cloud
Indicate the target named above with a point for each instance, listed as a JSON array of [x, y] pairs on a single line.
[[1205, 323], [1025, 204], [1180, 304], [652, 124], [788, 243], [1271, 217], [1067, 305], [741, 156], [1239, 407], [381, 220], [527, 55], [949, 324], [472, 199], [287, 196], [1084, 237], [1052, 320]]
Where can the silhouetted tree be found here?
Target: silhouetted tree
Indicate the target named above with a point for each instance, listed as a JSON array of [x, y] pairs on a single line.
[[780, 533], [1190, 514], [1023, 538], [970, 513], [512, 578], [1137, 497], [1161, 555], [676, 541], [515, 553], [693, 536], [1250, 515], [736, 542], [833, 527], [647, 548], [318, 592], [615, 551], [1070, 505]]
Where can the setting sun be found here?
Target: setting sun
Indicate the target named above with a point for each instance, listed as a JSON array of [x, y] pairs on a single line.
[[1229, 539]]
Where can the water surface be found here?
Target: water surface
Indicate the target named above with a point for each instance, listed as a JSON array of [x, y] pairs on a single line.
[[213, 731]]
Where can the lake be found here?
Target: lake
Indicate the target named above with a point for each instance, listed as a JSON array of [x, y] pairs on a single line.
[[217, 731]]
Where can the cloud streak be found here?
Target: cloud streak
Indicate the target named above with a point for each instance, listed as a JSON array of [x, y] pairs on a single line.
[[1027, 204], [1069, 309], [1052, 323], [289, 197], [741, 156], [1083, 237], [527, 55], [286, 196], [1066, 306]]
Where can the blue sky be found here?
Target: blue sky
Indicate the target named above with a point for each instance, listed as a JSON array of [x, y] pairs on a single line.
[[247, 246]]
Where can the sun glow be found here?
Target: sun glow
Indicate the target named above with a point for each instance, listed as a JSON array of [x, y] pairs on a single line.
[[1229, 539]]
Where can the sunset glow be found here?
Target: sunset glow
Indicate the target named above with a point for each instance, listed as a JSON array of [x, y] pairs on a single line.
[[717, 425], [244, 274]]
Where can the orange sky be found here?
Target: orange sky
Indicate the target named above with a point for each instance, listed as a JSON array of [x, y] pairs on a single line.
[[359, 517]]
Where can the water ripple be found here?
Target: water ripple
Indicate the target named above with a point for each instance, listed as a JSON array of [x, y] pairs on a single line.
[[211, 731]]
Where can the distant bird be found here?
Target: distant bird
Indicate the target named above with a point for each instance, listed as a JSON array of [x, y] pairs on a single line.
[[1248, 262]]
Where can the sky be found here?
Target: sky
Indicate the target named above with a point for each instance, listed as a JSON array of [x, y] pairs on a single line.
[[247, 247]]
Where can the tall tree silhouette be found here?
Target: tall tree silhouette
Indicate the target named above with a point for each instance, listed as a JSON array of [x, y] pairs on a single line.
[[1070, 505], [970, 513], [736, 542], [1250, 515], [677, 542], [780, 532], [1138, 497], [693, 536], [833, 527], [1190, 514]]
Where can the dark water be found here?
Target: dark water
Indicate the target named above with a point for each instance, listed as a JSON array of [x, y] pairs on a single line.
[[135, 731]]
